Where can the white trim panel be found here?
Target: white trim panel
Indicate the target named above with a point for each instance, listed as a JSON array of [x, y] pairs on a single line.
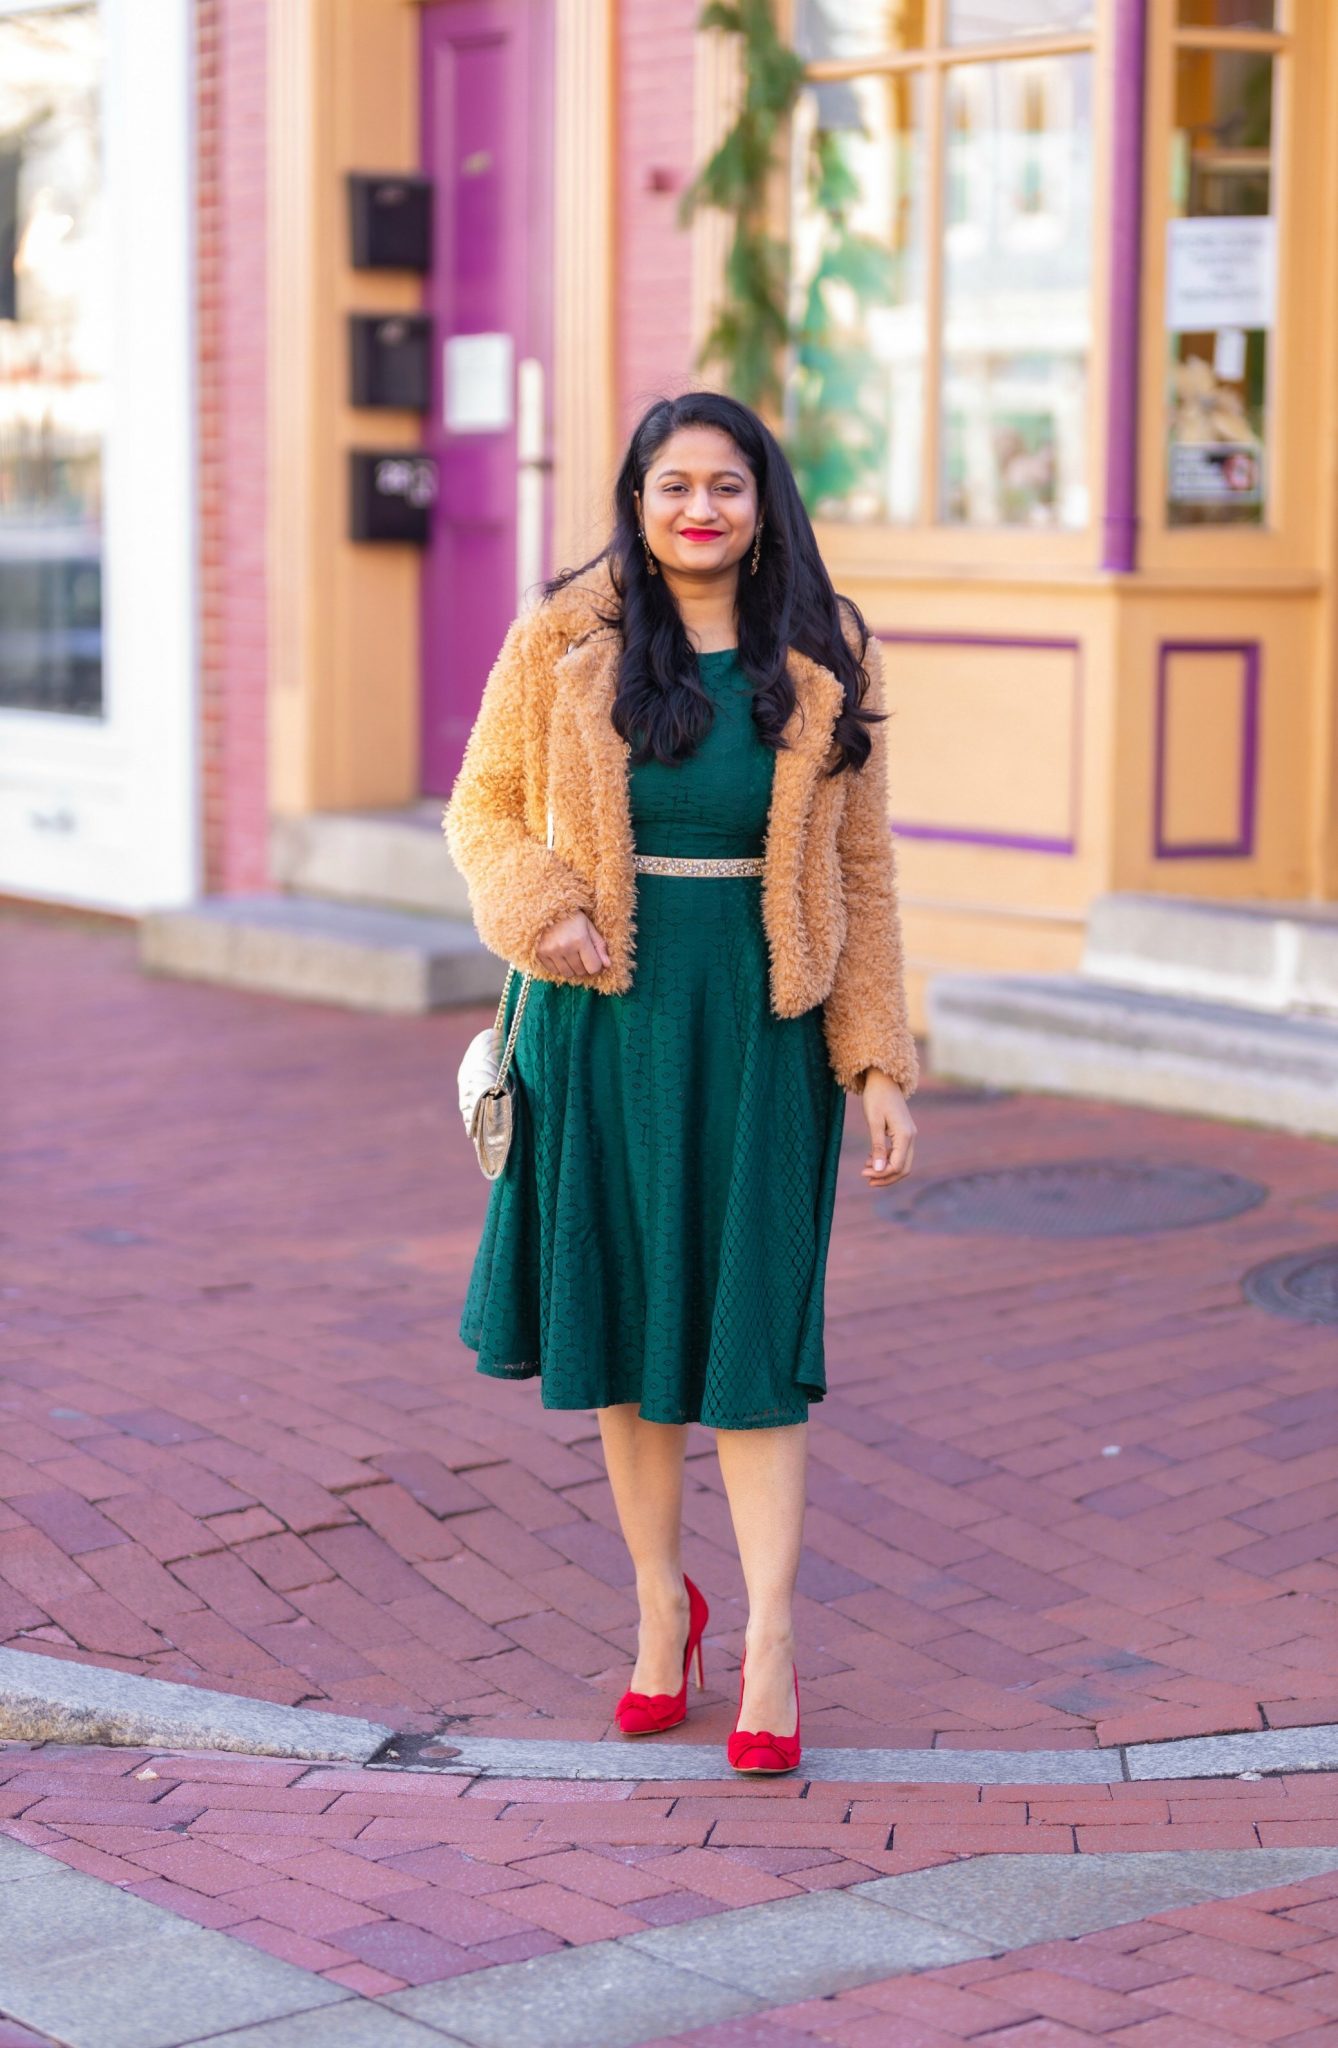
[[106, 813]]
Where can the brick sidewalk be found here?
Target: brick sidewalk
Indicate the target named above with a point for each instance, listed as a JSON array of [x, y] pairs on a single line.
[[378, 1881], [244, 1446], [1258, 1969], [1063, 1493]]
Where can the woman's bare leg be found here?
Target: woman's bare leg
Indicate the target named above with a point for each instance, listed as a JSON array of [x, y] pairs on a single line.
[[645, 1467], [764, 1472]]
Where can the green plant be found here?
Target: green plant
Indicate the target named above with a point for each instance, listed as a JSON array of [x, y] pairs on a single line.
[[751, 327], [808, 361], [836, 429]]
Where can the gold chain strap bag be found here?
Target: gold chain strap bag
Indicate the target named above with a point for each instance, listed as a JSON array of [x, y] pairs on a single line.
[[486, 1089]]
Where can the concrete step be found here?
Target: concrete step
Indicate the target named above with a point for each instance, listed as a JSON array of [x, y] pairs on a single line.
[[1268, 956], [1066, 1035], [397, 858], [325, 952]]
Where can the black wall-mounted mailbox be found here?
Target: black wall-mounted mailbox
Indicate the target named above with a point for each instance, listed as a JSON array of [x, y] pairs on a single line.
[[391, 494], [389, 362], [390, 221]]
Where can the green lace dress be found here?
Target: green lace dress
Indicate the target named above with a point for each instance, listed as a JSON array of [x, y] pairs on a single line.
[[659, 1233]]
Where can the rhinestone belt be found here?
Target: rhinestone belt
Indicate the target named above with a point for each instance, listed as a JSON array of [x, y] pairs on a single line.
[[672, 864]]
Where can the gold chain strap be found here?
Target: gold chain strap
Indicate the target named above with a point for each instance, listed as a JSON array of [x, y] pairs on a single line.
[[504, 1064]]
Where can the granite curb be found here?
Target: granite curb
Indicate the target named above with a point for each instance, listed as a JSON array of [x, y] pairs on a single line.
[[1261, 1750], [55, 1699], [482, 1756]]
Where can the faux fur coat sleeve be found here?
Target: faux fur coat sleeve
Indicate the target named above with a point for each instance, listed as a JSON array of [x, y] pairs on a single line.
[[864, 1016], [517, 887]]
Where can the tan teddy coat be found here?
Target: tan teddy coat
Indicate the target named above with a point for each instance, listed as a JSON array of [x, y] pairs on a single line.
[[829, 894]]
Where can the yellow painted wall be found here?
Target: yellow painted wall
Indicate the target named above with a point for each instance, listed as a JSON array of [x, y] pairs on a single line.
[[345, 641], [1059, 741], [1003, 707]]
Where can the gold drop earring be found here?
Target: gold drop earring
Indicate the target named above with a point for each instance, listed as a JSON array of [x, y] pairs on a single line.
[[652, 566], [757, 551]]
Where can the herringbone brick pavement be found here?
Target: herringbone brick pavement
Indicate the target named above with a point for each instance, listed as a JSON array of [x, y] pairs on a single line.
[[1063, 1491]]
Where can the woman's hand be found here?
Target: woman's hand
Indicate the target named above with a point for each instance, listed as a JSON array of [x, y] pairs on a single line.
[[572, 947], [891, 1130]]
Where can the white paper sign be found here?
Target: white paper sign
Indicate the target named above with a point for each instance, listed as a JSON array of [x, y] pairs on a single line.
[[479, 383], [1221, 272], [1229, 355], [1216, 473]]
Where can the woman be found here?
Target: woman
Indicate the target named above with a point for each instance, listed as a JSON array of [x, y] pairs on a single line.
[[716, 945]]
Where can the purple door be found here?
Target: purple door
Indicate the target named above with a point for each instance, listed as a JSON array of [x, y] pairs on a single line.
[[487, 129]]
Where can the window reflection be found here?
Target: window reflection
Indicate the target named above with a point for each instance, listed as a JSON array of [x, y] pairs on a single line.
[[1221, 173], [855, 402], [52, 357], [1017, 275], [997, 21], [1221, 150], [1228, 14], [857, 28]]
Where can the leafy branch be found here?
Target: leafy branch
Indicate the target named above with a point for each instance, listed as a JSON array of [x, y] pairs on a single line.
[[808, 362], [751, 328], [837, 436]]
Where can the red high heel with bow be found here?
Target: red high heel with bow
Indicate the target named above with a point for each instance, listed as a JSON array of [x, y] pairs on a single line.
[[763, 1753], [642, 1713]]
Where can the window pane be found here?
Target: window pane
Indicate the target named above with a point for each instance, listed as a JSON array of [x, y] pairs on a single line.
[[996, 21], [51, 361], [1017, 277], [1221, 148], [1220, 288], [1228, 14], [857, 28], [855, 399]]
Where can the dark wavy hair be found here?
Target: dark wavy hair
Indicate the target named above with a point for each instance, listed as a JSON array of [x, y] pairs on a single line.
[[660, 708]]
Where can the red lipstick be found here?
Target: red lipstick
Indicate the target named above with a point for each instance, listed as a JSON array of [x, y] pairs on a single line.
[[700, 533]]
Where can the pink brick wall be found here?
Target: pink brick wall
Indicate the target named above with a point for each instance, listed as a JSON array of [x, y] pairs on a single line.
[[654, 160], [231, 60]]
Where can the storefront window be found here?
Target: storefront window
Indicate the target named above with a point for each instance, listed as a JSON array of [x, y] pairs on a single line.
[[996, 21], [1220, 287], [1017, 318], [52, 356], [856, 400], [858, 28], [1228, 14], [952, 392]]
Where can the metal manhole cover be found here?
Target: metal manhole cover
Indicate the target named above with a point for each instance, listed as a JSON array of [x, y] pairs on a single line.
[[1075, 1198], [1303, 1285]]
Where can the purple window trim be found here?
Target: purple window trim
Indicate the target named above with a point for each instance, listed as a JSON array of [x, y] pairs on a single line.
[[1119, 545], [1017, 842], [1242, 847]]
